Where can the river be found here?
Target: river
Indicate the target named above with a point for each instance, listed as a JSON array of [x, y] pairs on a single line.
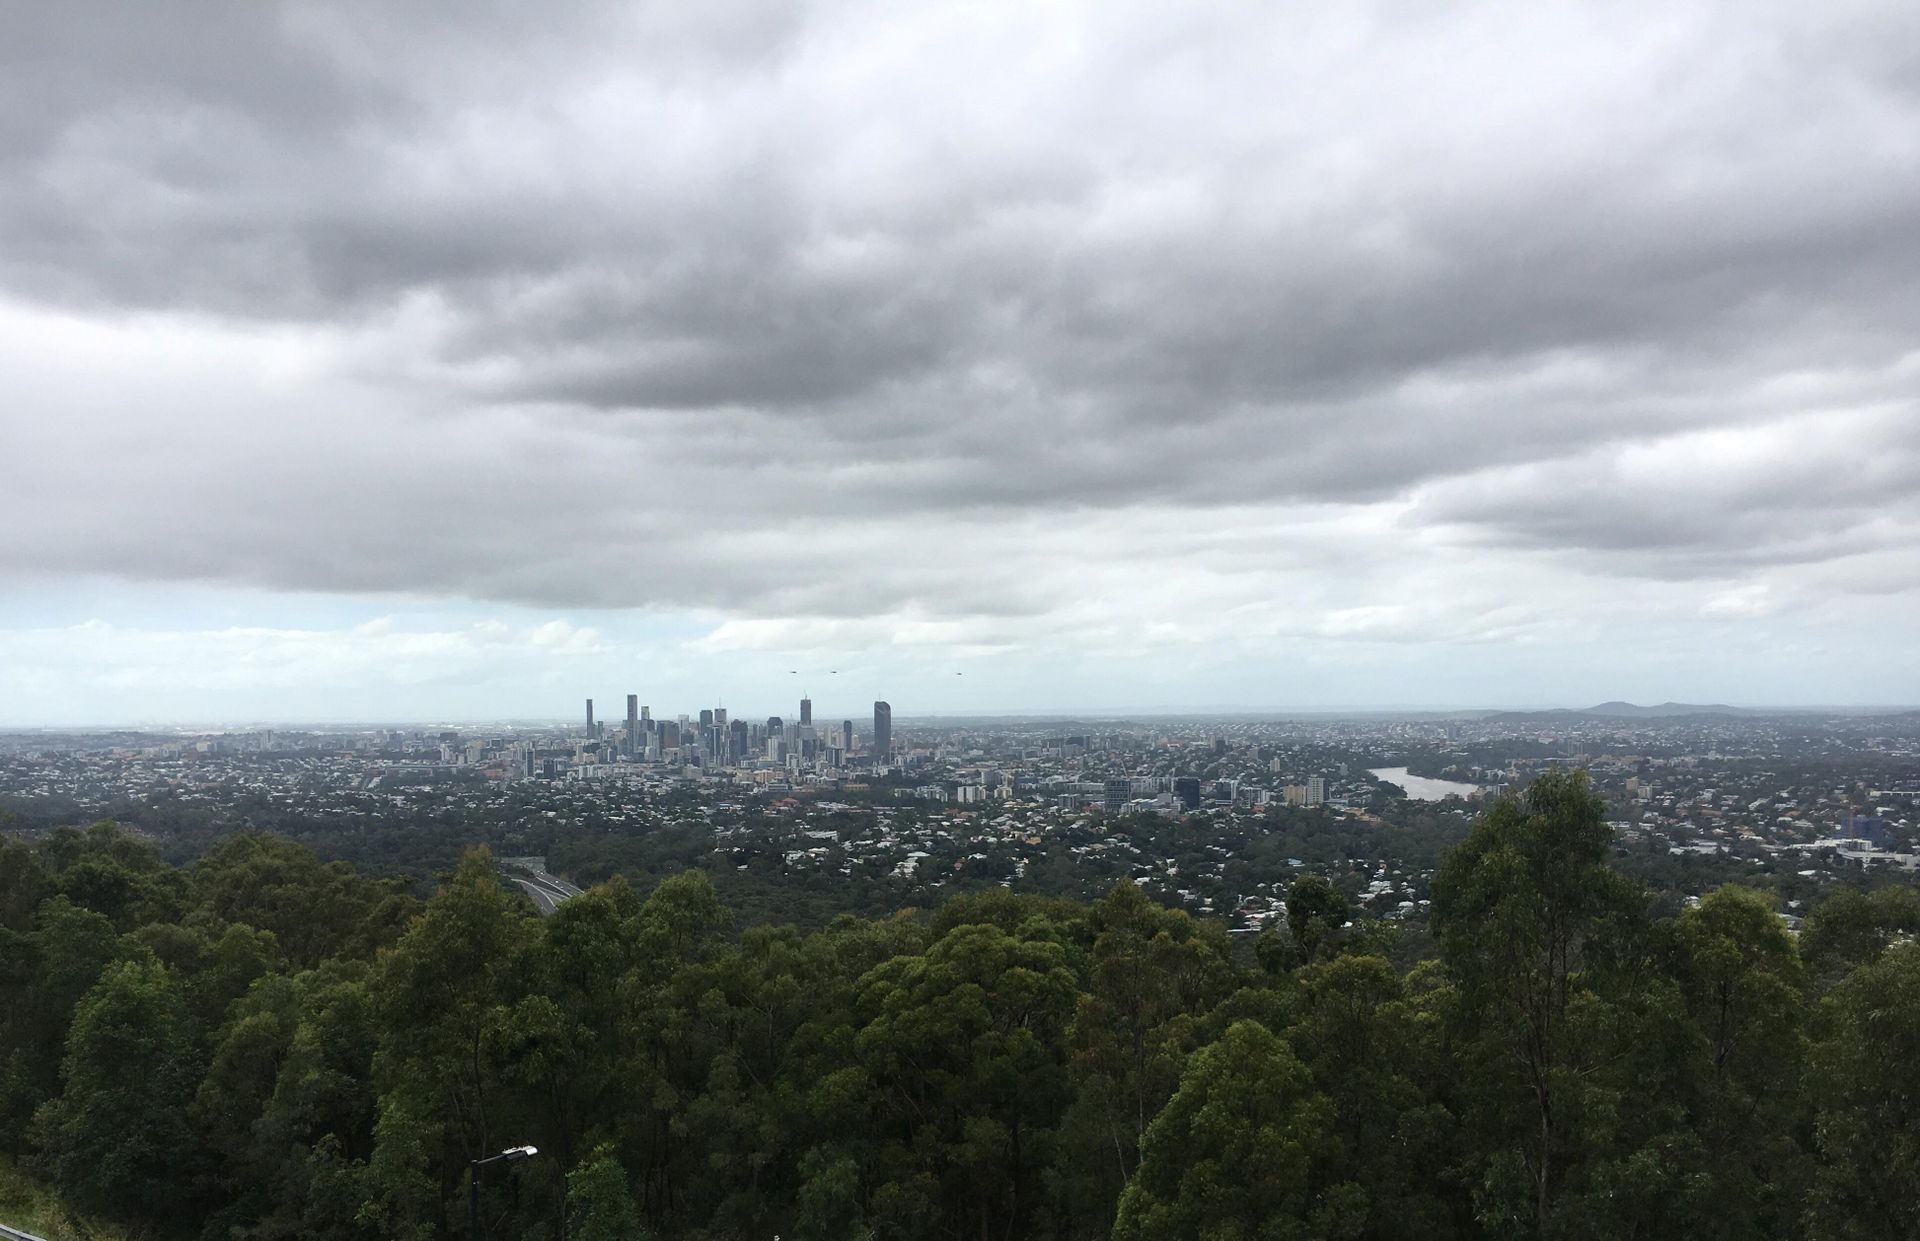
[[1420, 788]]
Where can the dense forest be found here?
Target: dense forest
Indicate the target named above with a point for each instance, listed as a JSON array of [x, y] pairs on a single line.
[[262, 1046]]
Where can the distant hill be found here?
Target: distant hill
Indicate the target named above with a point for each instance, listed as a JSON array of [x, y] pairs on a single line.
[[1617, 710], [1628, 710]]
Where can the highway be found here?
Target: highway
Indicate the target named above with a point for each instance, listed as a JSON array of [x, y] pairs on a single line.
[[547, 891]]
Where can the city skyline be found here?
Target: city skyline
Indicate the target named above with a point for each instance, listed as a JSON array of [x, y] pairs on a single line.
[[836, 715]]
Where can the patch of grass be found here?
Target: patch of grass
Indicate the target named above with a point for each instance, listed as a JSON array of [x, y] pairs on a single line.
[[31, 1207]]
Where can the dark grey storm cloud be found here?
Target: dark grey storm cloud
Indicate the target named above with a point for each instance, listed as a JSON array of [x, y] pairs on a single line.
[[697, 305]]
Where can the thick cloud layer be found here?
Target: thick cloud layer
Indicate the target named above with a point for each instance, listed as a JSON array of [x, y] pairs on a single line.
[[831, 323]]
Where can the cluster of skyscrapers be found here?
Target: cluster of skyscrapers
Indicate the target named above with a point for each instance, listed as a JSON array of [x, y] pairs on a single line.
[[712, 740]]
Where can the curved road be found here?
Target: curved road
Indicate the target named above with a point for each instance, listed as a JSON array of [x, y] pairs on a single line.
[[531, 874]]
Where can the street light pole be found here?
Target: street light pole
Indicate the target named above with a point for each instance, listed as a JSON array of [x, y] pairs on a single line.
[[508, 1155]]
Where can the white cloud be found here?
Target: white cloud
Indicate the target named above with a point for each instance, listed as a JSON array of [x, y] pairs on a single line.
[[1199, 340], [48, 672]]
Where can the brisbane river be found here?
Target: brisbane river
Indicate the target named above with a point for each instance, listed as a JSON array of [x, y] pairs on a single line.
[[1419, 788]]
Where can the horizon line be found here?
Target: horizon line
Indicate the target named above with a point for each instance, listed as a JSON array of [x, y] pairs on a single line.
[[615, 723]]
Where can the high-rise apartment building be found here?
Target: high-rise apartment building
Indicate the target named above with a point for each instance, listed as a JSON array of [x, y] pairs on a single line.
[[589, 717], [1316, 790], [882, 732]]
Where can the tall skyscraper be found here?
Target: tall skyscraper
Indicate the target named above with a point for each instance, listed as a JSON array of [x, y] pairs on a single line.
[[633, 723], [1316, 790], [806, 710], [846, 735], [589, 717], [1186, 792], [882, 732]]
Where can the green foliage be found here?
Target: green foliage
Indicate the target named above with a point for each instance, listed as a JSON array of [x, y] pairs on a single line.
[[1243, 1152], [24, 883], [115, 874], [962, 1048], [1537, 933], [268, 1048], [31, 1207], [1868, 1131], [1150, 972], [315, 912], [599, 1206], [1316, 911], [443, 1002], [1851, 928], [1739, 977], [117, 1140], [1377, 1046], [46, 972]]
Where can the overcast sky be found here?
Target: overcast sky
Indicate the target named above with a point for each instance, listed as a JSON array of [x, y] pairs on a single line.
[[445, 361]]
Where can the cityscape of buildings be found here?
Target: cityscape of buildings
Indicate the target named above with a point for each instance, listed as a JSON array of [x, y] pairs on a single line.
[[1218, 815], [704, 741]]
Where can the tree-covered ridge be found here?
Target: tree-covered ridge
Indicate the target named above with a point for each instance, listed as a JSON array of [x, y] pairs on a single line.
[[260, 1046]]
